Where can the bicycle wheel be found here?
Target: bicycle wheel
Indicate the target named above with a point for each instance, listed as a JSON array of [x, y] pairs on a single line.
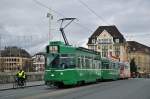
[[15, 84]]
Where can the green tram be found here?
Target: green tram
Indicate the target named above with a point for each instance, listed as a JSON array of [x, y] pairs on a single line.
[[67, 65], [110, 69]]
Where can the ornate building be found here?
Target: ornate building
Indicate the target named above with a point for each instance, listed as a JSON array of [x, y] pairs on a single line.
[[39, 61], [141, 55], [12, 57], [110, 42]]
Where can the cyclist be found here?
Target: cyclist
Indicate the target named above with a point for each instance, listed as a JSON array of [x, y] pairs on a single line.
[[21, 77]]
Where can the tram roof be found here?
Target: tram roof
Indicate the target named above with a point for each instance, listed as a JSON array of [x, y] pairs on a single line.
[[88, 50], [56, 43]]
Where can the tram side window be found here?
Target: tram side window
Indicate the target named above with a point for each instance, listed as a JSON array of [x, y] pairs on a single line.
[[71, 63], [100, 66], [114, 66], [110, 65], [105, 65], [82, 62], [119, 65], [67, 62], [87, 63], [97, 64], [93, 66], [78, 62], [90, 63]]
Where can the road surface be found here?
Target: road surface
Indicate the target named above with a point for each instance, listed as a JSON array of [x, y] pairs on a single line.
[[122, 89]]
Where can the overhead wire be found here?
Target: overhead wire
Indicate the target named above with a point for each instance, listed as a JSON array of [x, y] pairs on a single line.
[[60, 14], [92, 11]]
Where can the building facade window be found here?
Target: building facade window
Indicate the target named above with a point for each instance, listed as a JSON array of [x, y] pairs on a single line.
[[104, 41], [104, 50], [99, 47], [117, 51]]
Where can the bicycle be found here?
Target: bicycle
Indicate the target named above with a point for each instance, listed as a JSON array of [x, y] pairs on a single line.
[[18, 83]]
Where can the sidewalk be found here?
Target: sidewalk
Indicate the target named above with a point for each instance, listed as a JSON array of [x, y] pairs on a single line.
[[29, 84]]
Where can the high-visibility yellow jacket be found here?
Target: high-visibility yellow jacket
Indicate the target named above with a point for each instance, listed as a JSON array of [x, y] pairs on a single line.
[[21, 74]]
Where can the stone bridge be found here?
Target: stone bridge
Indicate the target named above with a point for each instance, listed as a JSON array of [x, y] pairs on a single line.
[[8, 77]]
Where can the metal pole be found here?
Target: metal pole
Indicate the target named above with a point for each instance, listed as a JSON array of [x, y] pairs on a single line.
[[49, 25], [49, 15], [0, 56]]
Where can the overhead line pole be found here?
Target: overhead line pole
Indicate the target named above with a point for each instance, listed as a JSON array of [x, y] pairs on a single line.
[[60, 14], [49, 16]]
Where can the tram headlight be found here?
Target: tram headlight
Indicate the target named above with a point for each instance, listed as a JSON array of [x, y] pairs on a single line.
[[61, 73], [52, 75]]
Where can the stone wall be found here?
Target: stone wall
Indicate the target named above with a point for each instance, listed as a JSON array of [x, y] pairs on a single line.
[[6, 77]]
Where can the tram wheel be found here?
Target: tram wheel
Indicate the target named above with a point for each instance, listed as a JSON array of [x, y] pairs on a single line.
[[60, 85]]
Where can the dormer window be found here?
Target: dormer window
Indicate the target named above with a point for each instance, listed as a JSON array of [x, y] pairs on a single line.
[[117, 40], [93, 41], [104, 41], [134, 49]]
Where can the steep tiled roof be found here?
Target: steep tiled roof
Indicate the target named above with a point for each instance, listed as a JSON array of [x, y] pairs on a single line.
[[14, 52], [114, 32], [134, 46], [40, 53]]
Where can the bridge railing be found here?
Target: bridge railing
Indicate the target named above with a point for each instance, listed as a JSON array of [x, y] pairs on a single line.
[[7, 79]]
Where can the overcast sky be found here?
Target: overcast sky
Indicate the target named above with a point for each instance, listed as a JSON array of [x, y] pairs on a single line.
[[24, 22]]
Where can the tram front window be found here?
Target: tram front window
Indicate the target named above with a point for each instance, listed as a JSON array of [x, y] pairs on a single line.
[[53, 62]]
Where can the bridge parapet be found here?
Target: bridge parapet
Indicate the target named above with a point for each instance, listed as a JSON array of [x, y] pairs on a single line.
[[8, 77]]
